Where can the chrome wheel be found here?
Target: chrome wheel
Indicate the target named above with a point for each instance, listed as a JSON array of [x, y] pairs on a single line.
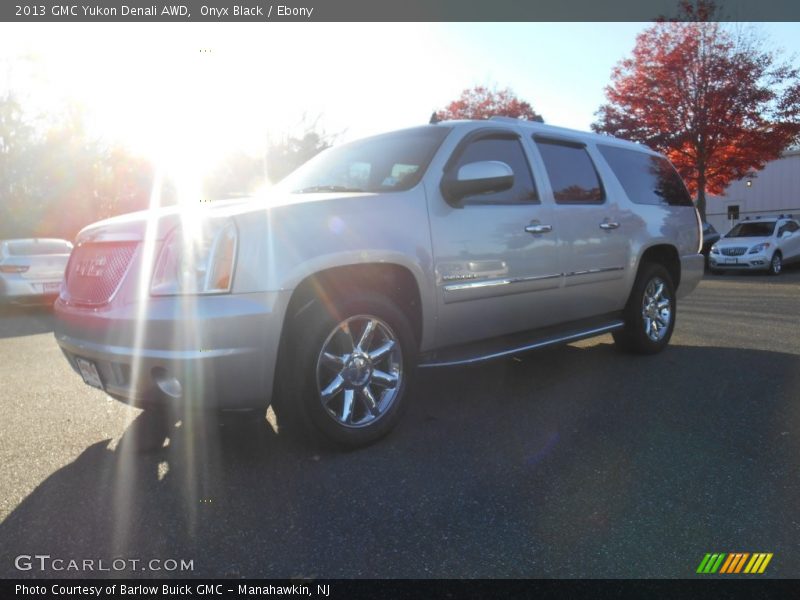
[[776, 264], [656, 309], [359, 371]]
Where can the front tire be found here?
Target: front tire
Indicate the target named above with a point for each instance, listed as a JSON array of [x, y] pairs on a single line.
[[349, 371], [650, 312], [776, 264]]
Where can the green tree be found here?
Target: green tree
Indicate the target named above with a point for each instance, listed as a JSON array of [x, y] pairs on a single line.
[[18, 146]]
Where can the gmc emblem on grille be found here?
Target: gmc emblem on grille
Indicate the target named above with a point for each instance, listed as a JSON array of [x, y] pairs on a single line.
[[91, 267]]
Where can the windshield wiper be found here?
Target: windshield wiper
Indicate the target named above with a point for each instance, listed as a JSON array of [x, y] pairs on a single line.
[[326, 188]]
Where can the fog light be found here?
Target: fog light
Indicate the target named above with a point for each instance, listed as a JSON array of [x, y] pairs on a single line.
[[167, 384]]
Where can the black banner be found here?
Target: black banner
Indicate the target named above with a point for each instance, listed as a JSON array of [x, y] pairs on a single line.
[[432, 589], [373, 10]]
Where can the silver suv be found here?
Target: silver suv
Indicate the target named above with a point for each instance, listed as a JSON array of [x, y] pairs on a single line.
[[440, 245]]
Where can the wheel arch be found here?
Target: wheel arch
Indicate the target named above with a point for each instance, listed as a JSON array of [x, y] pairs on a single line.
[[665, 255], [396, 282]]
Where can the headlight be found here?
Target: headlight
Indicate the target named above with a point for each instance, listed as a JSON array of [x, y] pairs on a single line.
[[714, 249], [198, 263], [759, 248]]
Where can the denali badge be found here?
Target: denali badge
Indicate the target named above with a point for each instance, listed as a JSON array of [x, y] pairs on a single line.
[[91, 267]]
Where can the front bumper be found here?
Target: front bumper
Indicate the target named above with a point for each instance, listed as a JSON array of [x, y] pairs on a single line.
[[745, 262], [692, 267], [220, 349]]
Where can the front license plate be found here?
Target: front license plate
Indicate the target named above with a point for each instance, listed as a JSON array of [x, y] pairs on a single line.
[[52, 287], [89, 373], [731, 261]]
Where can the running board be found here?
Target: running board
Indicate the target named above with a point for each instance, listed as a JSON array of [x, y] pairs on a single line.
[[505, 346]]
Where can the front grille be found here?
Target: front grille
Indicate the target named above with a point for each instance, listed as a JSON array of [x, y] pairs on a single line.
[[95, 270], [733, 251]]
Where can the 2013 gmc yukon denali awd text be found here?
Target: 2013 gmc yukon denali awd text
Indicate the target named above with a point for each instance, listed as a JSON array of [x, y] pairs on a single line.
[[440, 245]]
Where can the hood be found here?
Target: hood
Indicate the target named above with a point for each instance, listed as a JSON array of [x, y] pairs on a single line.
[[741, 242], [133, 227]]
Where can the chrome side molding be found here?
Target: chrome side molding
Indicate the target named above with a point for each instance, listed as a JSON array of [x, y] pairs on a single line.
[[593, 271], [453, 287]]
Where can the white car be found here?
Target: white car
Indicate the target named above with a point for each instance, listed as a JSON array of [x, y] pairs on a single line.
[[764, 244], [31, 270]]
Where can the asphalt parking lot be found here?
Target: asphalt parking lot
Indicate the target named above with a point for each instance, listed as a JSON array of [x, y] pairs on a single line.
[[570, 462]]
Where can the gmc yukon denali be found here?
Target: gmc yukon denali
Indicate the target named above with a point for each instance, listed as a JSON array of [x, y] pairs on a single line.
[[441, 245]]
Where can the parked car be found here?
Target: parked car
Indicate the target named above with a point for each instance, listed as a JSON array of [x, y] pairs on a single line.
[[31, 270], [441, 245], [762, 244], [710, 237]]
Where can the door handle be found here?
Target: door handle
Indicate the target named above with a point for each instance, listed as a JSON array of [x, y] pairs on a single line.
[[609, 225], [539, 228]]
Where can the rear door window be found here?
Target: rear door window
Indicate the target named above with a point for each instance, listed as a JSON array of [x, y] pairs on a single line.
[[571, 171]]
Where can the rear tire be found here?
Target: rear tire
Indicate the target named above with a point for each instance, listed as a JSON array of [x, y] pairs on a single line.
[[340, 383], [650, 312]]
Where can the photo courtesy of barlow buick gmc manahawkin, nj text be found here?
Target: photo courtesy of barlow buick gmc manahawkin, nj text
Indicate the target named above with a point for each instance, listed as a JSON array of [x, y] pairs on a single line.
[[435, 246]]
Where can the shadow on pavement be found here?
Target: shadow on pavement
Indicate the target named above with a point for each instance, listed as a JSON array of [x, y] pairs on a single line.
[[789, 275], [578, 461], [16, 321]]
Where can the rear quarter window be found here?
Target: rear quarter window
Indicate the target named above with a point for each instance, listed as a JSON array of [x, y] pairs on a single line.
[[646, 178]]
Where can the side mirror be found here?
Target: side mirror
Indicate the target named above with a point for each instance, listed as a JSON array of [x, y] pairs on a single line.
[[482, 177], [786, 234]]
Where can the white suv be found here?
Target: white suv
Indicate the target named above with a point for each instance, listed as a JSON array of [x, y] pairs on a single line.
[[762, 244]]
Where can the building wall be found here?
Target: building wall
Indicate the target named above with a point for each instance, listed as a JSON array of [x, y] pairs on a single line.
[[773, 191]]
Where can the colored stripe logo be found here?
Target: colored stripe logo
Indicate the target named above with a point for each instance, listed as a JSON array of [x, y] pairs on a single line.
[[733, 563]]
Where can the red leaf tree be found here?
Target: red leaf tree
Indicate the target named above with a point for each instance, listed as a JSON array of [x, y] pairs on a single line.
[[480, 102], [709, 97]]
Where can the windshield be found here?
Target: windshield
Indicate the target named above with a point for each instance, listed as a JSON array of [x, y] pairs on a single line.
[[38, 247], [392, 162], [763, 229]]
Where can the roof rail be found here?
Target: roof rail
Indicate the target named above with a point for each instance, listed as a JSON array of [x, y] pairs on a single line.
[[505, 119]]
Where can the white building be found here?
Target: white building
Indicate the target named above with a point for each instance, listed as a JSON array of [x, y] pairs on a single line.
[[774, 190]]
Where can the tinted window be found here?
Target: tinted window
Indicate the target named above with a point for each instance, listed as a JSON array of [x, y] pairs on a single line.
[[752, 229], [391, 162], [38, 247], [509, 151], [571, 172], [646, 179]]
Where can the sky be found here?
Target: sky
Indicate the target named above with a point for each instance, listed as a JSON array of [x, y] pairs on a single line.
[[188, 93]]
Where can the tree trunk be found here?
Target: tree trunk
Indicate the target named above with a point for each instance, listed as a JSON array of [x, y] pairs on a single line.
[[701, 192], [701, 203]]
